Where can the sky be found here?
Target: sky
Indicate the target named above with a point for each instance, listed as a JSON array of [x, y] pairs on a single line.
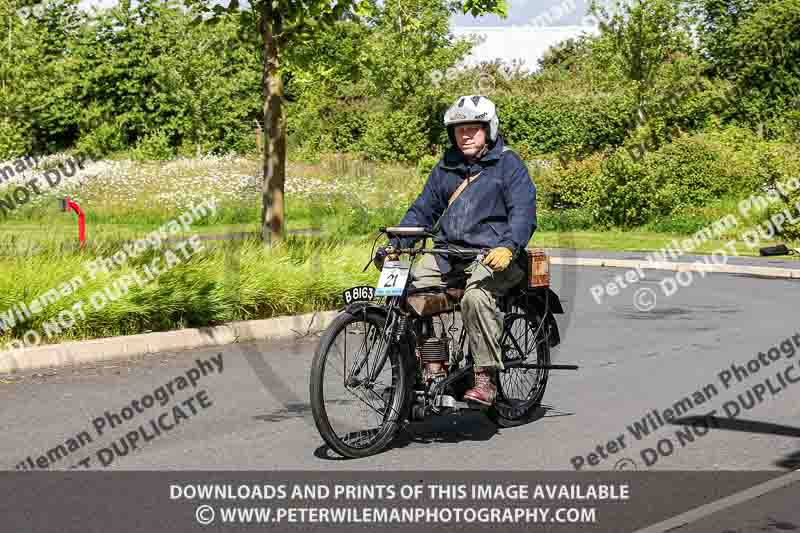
[[524, 12], [527, 44], [530, 28]]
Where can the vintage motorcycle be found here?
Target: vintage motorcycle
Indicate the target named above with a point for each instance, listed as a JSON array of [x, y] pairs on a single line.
[[373, 355]]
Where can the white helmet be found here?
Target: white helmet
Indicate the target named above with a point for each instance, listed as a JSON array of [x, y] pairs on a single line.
[[472, 108]]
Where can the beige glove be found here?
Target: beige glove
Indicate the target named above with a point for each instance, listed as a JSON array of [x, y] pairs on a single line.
[[498, 258]]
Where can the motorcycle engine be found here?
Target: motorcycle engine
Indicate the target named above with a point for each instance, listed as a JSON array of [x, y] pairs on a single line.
[[434, 350], [434, 354]]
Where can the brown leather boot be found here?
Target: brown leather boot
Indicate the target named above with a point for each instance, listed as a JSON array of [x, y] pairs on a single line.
[[484, 390]]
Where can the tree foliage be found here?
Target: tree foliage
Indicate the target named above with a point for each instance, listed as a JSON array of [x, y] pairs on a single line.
[[287, 23], [641, 37], [768, 74], [718, 21], [366, 80], [109, 81]]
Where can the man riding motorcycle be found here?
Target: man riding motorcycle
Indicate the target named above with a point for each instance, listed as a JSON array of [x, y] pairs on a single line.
[[479, 195]]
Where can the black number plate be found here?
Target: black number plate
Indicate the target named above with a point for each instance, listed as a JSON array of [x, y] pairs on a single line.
[[358, 294]]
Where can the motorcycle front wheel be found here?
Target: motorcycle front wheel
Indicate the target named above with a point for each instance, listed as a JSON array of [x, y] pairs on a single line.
[[357, 407]]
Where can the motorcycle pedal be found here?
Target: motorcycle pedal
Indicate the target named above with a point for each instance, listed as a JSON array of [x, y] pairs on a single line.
[[475, 406], [444, 400]]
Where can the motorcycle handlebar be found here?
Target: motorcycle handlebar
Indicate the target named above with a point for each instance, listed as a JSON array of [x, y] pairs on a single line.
[[408, 231], [439, 251], [424, 232]]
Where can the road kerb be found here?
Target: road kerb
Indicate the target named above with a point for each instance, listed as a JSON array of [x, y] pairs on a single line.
[[77, 352], [768, 272]]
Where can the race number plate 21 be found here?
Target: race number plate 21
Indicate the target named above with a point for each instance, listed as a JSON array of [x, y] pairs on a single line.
[[393, 278]]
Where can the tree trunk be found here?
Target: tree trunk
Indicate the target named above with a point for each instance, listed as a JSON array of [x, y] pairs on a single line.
[[272, 214]]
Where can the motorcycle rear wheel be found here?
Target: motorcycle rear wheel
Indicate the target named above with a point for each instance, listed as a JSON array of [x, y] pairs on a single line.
[[519, 390]]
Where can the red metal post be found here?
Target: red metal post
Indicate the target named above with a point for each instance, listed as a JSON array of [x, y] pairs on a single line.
[[81, 220]]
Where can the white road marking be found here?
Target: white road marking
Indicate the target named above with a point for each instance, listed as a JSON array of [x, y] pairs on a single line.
[[729, 501]]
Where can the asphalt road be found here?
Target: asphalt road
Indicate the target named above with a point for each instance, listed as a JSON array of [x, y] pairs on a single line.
[[255, 413]]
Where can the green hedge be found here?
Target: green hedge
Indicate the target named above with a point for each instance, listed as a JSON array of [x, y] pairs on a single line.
[[570, 126], [690, 172]]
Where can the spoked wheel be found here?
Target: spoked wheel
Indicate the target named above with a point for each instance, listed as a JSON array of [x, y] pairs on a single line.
[[520, 390], [357, 406]]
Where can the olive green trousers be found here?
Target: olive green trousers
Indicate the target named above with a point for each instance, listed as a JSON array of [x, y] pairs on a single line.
[[479, 312]]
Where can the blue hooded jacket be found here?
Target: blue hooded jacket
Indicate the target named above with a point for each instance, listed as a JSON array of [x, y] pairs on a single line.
[[496, 209]]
